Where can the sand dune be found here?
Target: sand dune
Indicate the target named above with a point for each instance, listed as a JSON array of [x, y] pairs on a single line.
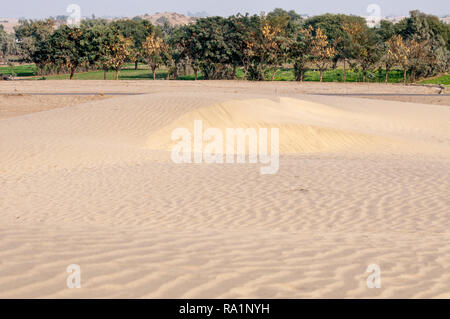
[[308, 127], [292, 117], [360, 182]]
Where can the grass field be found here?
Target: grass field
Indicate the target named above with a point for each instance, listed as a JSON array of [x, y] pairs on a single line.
[[19, 70], [444, 79], [283, 74], [337, 75]]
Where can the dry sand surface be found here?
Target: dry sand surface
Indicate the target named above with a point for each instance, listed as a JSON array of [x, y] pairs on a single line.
[[361, 181], [19, 104], [22, 86]]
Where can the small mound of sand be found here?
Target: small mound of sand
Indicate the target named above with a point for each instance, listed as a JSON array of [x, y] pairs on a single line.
[[305, 127]]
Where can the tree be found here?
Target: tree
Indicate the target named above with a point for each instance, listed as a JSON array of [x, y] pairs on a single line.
[[419, 56], [268, 45], [214, 51], [300, 52], [275, 39], [293, 16], [389, 58], [427, 29], [104, 38], [243, 37], [117, 50], [176, 53], [424, 25], [322, 52], [332, 27], [188, 47], [400, 52], [386, 30], [363, 45], [33, 37], [8, 46], [68, 48], [154, 49], [137, 30]]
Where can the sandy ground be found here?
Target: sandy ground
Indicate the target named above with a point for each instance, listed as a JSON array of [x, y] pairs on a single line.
[[19, 104], [361, 181]]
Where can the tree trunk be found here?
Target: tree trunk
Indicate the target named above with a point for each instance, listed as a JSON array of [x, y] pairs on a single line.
[[245, 72], [300, 75], [345, 72], [196, 74], [335, 62], [299, 71], [175, 74], [117, 74], [404, 76], [387, 76], [72, 72], [154, 72], [136, 65], [275, 70], [261, 71], [321, 75]]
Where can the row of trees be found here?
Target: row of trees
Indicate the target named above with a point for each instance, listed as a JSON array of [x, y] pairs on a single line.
[[8, 46], [258, 44]]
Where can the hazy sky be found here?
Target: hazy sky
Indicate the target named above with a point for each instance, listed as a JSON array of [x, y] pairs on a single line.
[[44, 8]]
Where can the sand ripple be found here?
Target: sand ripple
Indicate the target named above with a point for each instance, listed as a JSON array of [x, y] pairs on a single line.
[[358, 184]]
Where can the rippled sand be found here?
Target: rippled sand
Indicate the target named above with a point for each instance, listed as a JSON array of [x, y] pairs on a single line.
[[361, 182]]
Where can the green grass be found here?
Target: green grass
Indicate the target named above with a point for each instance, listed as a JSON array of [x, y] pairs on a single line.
[[444, 79], [287, 74], [127, 73], [19, 70], [283, 74]]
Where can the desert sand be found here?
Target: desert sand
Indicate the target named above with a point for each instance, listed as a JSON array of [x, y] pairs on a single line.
[[88, 180]]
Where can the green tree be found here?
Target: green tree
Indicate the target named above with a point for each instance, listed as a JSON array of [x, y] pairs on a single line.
[[270, 45], [427, 29], [386, 30], [363, 45], [117, 51], [188, 47], [33, 38], [154, 50], [243, 40], [66, 48], [8, 46], [74, 47], [137, 30], [332, 26], [215, 53], [300, 52]]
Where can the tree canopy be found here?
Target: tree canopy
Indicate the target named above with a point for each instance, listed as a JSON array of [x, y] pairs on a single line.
[[217, 47]]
